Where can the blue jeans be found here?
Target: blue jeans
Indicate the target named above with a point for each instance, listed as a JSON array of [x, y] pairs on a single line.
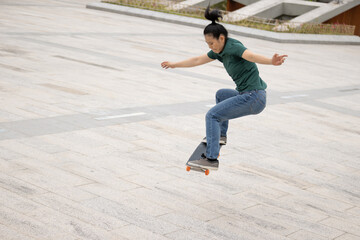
[[230, 104]]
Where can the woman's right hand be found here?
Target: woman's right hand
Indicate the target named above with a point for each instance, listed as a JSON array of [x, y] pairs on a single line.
[[167, 65]]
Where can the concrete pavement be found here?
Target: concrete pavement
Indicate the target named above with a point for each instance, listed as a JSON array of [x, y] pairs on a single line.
[[94, 135]]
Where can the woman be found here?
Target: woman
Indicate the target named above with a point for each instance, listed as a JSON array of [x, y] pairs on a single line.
[[249, 96]]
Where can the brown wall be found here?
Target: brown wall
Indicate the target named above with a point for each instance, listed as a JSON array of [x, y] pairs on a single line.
[[350, 17], [232, 5]]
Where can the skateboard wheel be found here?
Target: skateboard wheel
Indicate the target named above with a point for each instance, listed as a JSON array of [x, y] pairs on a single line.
[[188, 168], [207, 171]]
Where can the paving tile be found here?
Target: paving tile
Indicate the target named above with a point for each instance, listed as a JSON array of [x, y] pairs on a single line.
[[335, 192], [289, 205], [171, 200], [347, 226], [25, 150], [236, 212], [10, 166], [18, 186], [245, 230], [130, 215], [134, 232], [43, 145], [146, 206], [69, 225], [93, 174], [7, 233], [185, 234], [355, 211], [6, 154], [199, 227], [305, 235], [76, 210], [27, 225], [281, 216], [18, 203], [49, 177], [348, 236]]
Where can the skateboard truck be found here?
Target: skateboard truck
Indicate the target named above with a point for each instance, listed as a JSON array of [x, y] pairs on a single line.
[[206, 171]]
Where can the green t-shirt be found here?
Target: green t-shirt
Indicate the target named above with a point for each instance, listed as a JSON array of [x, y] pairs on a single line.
[[244, 73]]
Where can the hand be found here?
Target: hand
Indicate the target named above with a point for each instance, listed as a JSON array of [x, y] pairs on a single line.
[[278, 60], [167, 65]]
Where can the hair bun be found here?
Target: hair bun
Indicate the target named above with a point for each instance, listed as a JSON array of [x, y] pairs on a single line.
[[213, 15]]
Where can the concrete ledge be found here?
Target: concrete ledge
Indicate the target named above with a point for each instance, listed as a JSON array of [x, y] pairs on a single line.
[[237, 30]]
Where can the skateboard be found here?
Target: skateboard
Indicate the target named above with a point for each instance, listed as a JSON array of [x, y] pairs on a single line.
[[196, 155]]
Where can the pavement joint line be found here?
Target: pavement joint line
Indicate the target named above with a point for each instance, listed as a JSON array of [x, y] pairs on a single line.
[[86, 62], [349, 90], [120, 116], [295, 96]]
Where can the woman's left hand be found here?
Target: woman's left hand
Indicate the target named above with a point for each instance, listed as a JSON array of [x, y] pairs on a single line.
[[278, 60]]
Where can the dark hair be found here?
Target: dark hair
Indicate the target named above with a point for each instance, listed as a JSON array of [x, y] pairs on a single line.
[[214, 28]]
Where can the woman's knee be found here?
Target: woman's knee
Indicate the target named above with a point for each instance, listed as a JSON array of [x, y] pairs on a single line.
[[210, 116]]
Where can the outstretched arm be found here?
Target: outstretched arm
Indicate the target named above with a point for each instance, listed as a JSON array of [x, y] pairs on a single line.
[[276, 60], [191, 62]]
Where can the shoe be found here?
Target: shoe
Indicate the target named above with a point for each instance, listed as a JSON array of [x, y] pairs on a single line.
[[222, 141], [205, 163]]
